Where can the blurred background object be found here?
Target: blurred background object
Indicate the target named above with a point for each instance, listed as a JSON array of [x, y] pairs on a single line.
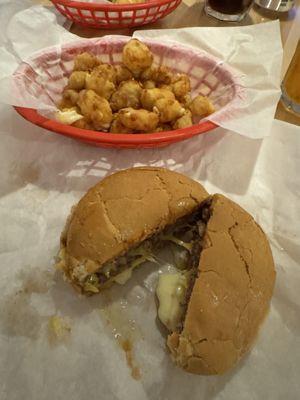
[[276, 5], [291, 85], [228, 10]]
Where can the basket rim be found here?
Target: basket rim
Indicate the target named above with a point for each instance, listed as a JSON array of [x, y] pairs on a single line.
[[102, 6], [33, 116]]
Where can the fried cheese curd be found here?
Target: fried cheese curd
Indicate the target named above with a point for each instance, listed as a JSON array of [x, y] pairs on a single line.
[[168, 109], [102, 80], [149, 97], [135, 96], [117, 126], [138, 120], [184, 121], [122, 73], [95, 108], [201, 106], [136, 56], [128, 94], [86, 62]]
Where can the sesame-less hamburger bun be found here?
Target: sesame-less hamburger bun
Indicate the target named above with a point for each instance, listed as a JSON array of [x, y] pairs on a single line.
[[214, 303], [118, 214], [230, 295]]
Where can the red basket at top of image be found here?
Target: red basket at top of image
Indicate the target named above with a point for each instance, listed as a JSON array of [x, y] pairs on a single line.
[[45, 74], [115, 16]]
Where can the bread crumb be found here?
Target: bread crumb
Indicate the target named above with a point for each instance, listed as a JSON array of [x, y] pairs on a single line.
[[59, 328], [79, 273]]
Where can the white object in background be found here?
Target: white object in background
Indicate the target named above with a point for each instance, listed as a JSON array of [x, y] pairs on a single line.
[[257, 61]]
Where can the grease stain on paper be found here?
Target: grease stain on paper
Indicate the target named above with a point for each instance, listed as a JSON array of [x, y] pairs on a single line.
[[19, 316], [125, 331], [126, 345]]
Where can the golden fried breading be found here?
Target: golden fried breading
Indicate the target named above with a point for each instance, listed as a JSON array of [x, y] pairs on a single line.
[[167, 87], [77, 80], [149, 85], [163, 75], [101, 80], [69, 99], [136, 56], [64, 104], [149, 97], [108, 71], [181, 85], [128, 94], [83, 123], [184, 121], [168, 109], [186, 100], [117, 126], [71, 96], [146, 75], [163, 128], [85, 62], [122, 73], [138, 120], [201, 106], [95, 108], [160, 75]]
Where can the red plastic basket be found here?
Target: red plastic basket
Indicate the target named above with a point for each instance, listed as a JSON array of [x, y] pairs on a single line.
[[44, 75], [115, 16], [120, 140]]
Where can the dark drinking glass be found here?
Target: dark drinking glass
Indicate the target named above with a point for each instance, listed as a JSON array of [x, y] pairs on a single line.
[[228, 10]]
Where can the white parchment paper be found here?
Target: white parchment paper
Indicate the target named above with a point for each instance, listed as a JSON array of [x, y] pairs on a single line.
[[254, 53], [42, 175], [256, 59]]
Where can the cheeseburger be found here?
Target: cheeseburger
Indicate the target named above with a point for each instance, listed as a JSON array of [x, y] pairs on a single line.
[[214, 304]]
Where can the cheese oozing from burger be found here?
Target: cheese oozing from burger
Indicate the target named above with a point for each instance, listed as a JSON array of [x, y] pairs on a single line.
[[170, 291], [68, 116]]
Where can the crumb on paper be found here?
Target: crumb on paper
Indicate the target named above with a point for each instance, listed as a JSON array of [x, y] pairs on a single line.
[[60, 260], [80, 272], [59, 328]]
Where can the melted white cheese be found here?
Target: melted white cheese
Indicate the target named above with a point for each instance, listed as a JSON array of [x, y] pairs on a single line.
[[68, 116], [123, 277], [171, 291]]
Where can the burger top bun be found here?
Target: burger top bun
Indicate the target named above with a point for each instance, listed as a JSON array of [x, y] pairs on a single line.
[[123, 209], [231, 294]]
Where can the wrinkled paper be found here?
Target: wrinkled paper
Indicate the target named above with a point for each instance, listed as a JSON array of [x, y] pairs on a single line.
[[256, 62], [42, 176]]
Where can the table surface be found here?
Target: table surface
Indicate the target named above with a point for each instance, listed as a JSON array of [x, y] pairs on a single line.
[[191, 13]]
